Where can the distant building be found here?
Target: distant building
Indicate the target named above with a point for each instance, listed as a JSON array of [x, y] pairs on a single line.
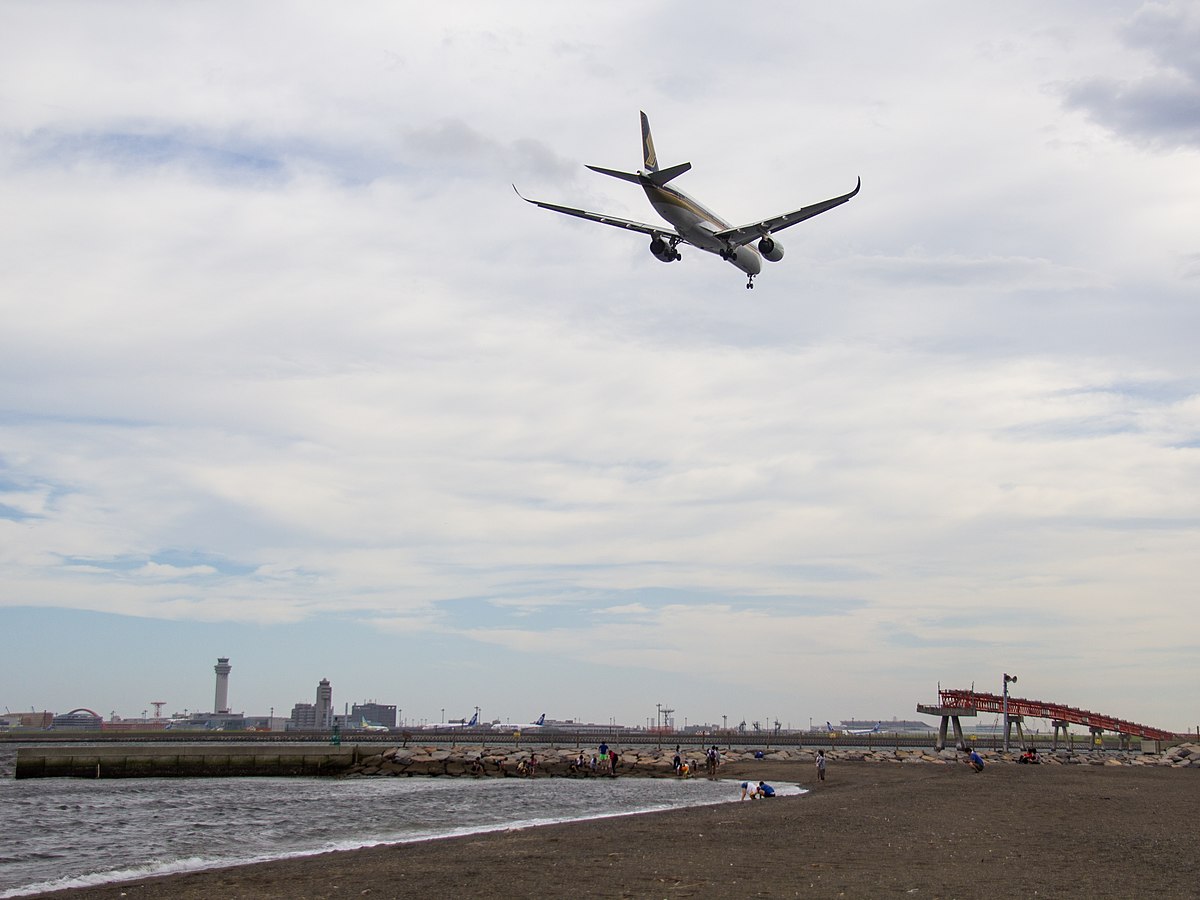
[[79, 719], [324, 705], [314, 716], [266, 723], [303, 717], [373, 713], [142, 724], [581, 727], [210, 721]]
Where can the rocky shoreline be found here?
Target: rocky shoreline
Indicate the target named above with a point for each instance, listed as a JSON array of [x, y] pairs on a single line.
[[480, 760]]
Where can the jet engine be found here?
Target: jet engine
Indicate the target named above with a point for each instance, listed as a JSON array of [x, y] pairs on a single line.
[[771, 249], [662, 250]]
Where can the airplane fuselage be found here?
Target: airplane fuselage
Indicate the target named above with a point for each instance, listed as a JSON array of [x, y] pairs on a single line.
[[698, 225]]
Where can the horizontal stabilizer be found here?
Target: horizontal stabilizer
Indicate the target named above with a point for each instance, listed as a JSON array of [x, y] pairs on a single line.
[[659, 177], [624, 176], [662, 176]]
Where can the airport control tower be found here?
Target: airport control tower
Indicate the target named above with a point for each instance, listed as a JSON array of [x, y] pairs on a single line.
[[324, 705], [222, 668]]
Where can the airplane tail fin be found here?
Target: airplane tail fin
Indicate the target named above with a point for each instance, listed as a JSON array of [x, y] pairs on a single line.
[[650, 173], [541, 719], [649, 157], [474, 721]]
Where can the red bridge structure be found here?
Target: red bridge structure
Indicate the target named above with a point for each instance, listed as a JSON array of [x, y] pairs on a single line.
[[954, 703]]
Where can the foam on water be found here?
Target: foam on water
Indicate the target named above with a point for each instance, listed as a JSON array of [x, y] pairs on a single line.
[[68, 833]]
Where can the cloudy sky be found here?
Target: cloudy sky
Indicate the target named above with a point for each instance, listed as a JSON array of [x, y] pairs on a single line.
[[289, 374]]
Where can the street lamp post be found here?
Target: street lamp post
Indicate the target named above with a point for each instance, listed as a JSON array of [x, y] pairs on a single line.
[[1007, 679]]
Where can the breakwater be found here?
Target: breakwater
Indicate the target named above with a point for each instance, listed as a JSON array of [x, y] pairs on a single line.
[[175, 761], [490, 761]]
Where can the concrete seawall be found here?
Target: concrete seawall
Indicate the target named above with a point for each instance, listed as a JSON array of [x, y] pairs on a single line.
[[76, 761]]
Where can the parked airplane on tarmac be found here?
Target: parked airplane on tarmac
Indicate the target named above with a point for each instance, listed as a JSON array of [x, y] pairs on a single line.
[[442, 726], [364, 725], [520, 726], [855, 731], [693, 223]]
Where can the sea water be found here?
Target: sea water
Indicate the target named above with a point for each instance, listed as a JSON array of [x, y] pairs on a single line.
[[60, 832]]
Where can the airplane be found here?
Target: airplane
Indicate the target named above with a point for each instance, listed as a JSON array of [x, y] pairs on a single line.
[[855, 731], [364, 725], [520, 726], [442, 726], [692, 223]]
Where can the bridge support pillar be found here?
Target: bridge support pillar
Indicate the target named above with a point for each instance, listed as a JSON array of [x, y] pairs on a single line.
[[950, 715], [1097, 739], [1061, 726], [1016, 720]]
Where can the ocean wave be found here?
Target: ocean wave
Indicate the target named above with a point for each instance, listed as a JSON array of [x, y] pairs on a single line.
[[518, 797]]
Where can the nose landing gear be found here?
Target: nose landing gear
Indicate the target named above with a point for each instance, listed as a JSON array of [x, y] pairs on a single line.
[[749, 282]]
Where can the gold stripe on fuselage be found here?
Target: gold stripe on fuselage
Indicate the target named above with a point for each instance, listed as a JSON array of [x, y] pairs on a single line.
[[668, 196]]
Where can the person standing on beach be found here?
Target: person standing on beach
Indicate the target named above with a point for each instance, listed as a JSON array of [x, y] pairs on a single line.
[[820, 765], [612, 761], [713, 760]]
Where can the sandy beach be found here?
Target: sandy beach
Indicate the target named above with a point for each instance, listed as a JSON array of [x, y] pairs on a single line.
[[870, 830]]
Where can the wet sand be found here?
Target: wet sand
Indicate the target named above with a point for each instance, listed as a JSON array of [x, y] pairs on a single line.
[[870, 830]]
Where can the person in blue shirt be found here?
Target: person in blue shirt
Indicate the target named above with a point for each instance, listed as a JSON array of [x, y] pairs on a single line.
[[765, 790], [974, 760]]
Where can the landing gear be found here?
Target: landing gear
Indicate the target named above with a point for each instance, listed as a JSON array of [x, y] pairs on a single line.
[[749, 282]]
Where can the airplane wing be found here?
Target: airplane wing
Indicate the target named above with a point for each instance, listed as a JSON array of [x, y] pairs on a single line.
[[744, 234], [627, 224]]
